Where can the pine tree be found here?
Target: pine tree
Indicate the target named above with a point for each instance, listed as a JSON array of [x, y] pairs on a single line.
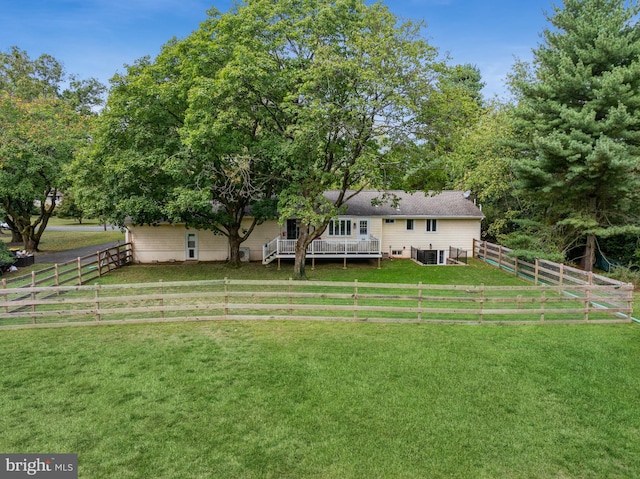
[[579, 112]]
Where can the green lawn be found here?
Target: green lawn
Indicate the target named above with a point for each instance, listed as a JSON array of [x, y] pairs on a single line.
[[326, 400], [391, 271], [53, 241]]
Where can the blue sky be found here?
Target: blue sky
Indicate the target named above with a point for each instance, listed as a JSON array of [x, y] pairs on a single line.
[[96, 38]]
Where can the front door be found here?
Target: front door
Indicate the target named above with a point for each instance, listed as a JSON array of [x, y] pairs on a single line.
[[363, 229]]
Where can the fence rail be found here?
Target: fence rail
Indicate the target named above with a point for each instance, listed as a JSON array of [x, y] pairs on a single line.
[[541, 271], [328, 301], [79, 271]]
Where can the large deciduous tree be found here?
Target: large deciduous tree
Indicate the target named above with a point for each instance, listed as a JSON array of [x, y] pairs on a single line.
[[171, 145], [41, 125], [279, 99], [338, 85], [480, 162], [579, 117]]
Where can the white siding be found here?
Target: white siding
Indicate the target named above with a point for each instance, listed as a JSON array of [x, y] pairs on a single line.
[[457, 233], [166, 243]]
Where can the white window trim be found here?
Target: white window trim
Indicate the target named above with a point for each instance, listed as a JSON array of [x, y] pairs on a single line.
[[344, 228], [188, 247]]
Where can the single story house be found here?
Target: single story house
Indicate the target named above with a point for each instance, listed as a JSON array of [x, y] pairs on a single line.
[[433, 224]]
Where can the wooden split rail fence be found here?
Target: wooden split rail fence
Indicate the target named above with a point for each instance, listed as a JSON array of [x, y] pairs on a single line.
[[295, 300], [540, 271], [81, 270], [548, 273]]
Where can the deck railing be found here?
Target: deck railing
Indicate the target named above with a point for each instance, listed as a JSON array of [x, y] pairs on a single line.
[[320, 247]]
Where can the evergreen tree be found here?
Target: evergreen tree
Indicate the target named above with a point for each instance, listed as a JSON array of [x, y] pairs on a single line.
[[579, 117]]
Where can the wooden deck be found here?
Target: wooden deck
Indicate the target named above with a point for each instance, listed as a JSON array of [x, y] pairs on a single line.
[[330, 249]]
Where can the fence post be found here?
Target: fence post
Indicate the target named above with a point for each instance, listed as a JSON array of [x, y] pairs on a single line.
[[161, 299], [561, 280], [57, 273], [420, 300], [481, 303], [6, 298], [587, 301], [99, 264], [33, 296], [543, 300], [519, 299], [79, 271], [96, 297], [290, 296], [500, 257], [355, 300], [537, 271], [226, 298]]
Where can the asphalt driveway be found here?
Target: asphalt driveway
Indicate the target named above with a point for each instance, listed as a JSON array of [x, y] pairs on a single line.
[[72, 254]]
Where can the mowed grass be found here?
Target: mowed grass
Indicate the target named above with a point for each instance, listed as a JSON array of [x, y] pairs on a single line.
[[391, 271], [326, 400], [53, 241]]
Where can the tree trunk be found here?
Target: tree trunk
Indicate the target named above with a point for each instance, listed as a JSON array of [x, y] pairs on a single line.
[[589, 257], [234, 249], [301, 259], [28, 241], [301, 253]]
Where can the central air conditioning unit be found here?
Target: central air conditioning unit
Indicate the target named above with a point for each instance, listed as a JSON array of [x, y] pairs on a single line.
[[244, 254]]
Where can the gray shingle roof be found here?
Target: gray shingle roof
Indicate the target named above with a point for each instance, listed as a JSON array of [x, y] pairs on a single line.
[[445, 204]]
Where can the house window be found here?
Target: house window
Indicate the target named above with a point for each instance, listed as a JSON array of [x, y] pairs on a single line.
[[363, 228], [191, 243], [340, 228], [389, 221], [409, 225], [432, 225], [441, 256]]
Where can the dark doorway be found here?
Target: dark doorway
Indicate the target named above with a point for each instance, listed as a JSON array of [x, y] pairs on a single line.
[[292, 229]]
